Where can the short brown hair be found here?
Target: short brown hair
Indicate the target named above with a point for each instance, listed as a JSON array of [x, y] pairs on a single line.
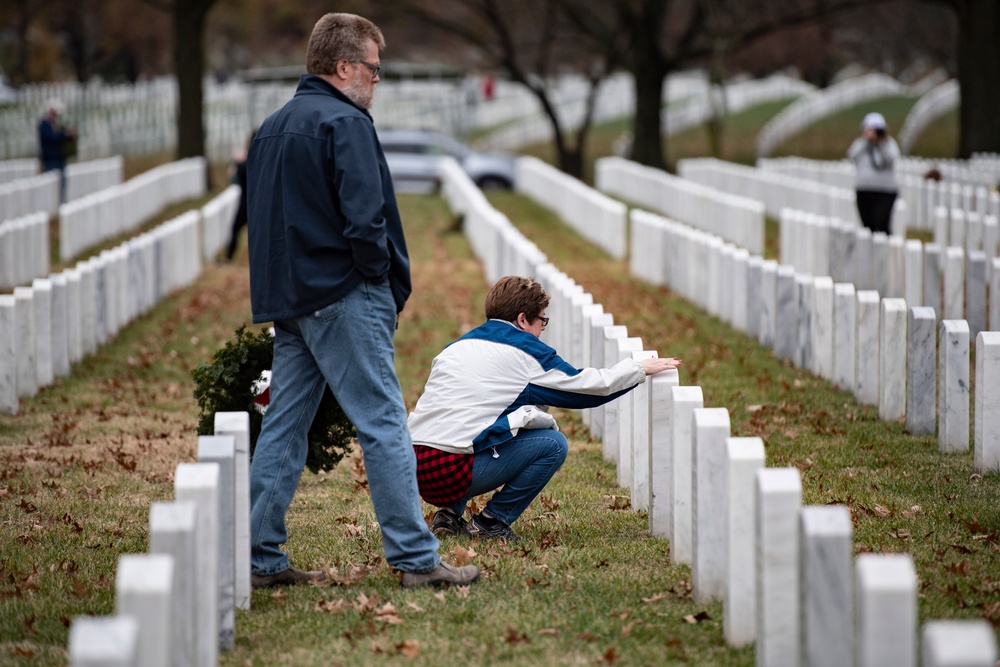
[[337, 37], [513, 295]]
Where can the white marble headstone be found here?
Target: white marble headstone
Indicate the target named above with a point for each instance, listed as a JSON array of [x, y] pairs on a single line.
[[609, 411], [779, 500], [640, 438], [953, 393], [886, 611], [710, 429], [144, 588], [866, 359], [660, 432], [921, 376], [173, 531], [623, 407], [104, 641], [845, 318], [684, 401], [892, 360], [958, 644], [199, 482], [826, 583], [8, 355], [986, 439], [744, 457], [237, 424], [221, 449]]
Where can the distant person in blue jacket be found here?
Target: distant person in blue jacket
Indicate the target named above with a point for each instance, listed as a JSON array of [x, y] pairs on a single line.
[[483, 419], [328, 265], [53, 141]]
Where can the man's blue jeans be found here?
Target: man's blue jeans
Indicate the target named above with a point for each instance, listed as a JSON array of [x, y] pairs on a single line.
[[347, 345], [523, 466]]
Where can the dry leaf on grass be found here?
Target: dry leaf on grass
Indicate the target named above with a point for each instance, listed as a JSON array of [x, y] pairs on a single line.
[[655, 597], [697, 618], [387, 614], [330, 606], [409, 648], [461, 556], [513, 637]]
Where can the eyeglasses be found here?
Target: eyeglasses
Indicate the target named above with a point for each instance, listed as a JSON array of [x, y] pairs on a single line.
[[374, 68], [545, 321]]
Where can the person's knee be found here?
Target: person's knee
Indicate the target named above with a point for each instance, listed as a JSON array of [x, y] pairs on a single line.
[[559, 447]]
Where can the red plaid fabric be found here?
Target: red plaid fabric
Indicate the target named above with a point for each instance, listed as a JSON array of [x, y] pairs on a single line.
[[443, 478]]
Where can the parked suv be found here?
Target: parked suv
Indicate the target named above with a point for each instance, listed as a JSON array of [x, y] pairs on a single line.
[[414, 156]]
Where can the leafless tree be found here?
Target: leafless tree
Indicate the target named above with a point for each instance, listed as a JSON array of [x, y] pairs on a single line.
[[530, 40]]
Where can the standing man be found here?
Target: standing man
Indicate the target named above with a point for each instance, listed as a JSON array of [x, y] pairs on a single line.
[[53, 139], [328, 265]]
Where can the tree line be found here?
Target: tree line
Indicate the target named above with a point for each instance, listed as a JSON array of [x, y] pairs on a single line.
[[529, 41]]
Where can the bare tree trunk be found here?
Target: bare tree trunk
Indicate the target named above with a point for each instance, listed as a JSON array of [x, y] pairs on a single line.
[[647, 146], [979, 76], [189, 29]]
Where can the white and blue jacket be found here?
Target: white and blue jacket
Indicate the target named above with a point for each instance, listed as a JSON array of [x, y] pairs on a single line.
[[495, 380]]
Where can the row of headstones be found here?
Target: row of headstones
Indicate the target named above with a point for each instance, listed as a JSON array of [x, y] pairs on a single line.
[[784, 572], [821, 103], [702, 489], [24, 250], [966, 188], [886, 354], [733, 97], [12, 170], [41, 192], [176, 605], [593, 215], [776, 191], [122, 208], [139, 125], [955, 282], [737, 219], [58, 320], [25, 246]]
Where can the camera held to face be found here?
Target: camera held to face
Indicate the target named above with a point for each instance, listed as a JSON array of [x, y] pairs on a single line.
[[880, 132]]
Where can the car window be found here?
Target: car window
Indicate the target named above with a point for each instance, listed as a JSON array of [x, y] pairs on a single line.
[[408, 148]]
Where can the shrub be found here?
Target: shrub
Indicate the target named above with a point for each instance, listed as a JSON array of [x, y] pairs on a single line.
[[227, 385]]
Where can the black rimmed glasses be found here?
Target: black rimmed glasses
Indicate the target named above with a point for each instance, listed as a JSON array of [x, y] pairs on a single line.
[[545, 321], [374, 68]]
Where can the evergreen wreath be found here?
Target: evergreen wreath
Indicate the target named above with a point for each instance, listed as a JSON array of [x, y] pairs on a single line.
[[227, 384]]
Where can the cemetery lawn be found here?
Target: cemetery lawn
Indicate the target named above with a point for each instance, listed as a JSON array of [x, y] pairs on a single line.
[[81, 463]]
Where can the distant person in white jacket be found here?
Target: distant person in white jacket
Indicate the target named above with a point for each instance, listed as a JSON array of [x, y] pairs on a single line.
[[482, 421], [874, 155]]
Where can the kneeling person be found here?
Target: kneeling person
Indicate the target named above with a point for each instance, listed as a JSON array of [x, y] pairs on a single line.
[[482, 421]]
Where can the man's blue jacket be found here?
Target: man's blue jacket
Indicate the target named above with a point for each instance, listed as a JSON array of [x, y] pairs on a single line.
[[322, 213]]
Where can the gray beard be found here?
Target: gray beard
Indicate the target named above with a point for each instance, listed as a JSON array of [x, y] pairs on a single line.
[[360, 94]]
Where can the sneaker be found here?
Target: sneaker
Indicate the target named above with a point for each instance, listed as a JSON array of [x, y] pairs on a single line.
[[289, 577], [443, 575], [446, 522], [486, 527]]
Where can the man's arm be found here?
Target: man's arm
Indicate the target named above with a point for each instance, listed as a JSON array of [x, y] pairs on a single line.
[[359, 189]]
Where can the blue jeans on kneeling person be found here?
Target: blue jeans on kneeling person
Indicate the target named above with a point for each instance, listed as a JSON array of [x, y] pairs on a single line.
[[523, 466]]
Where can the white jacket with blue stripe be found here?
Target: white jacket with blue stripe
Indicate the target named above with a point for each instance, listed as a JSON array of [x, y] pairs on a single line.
[[495, 380]]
